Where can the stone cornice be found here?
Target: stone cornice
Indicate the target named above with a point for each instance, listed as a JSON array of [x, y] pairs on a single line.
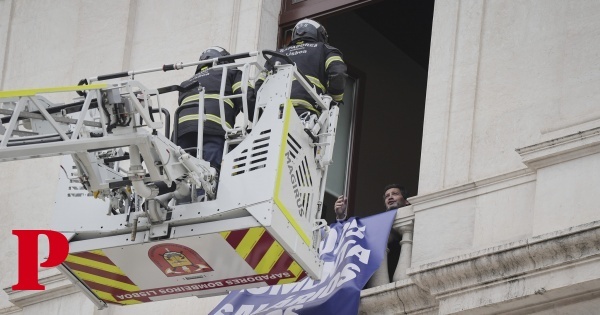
[[470, 190], [10, 310], [401, 295], [561, 149], [509, 261], [56, 284]]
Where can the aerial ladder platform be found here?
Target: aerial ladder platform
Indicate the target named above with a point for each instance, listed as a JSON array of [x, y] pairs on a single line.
[[256, 223]]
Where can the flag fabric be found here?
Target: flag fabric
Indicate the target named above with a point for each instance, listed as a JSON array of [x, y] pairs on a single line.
[[351, 252]]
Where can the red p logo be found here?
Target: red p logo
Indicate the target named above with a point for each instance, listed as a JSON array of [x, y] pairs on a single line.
[[28, 256]]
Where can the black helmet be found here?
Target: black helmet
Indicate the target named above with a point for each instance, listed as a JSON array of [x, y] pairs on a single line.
[[210, 53], [309, 30]]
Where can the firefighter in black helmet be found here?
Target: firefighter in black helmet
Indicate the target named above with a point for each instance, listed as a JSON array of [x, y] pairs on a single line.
[[210, 79], [320, 62]]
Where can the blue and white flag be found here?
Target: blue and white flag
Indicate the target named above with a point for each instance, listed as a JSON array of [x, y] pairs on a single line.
[[351, 253]]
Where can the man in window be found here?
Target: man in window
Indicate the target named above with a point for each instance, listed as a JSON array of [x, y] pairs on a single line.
[[394, 197]]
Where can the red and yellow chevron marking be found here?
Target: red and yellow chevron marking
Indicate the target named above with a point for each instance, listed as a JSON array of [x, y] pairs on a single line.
[[263, 253], [102, 276]]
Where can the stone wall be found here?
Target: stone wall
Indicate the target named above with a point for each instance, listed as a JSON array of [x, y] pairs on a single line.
[[52, 43], [503, 76]]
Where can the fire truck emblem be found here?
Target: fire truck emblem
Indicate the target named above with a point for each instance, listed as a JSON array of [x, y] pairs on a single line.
[[177, 260]]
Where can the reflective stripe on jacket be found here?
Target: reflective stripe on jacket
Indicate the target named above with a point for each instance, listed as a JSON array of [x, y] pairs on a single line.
[[210, 79]]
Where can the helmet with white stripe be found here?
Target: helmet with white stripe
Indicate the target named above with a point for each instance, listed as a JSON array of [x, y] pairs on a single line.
[[309, 30]]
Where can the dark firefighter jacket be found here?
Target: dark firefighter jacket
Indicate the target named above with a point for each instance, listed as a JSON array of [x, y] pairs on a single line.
[[210, 79], [321, 63]]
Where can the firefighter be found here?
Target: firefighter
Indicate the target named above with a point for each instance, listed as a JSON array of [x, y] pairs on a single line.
[[321, 63], [210, 79]]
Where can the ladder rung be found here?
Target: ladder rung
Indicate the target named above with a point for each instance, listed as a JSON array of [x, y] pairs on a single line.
[[232, 96]]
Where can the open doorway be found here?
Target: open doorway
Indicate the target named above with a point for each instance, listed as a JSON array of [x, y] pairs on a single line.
[[386, 46]]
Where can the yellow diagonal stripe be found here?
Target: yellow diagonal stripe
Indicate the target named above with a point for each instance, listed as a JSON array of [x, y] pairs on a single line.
[[105, 281], [95, 264], [70, 88], [278, 202], [296, 271], [271, 256], [225, 234], [108, 297], [249, 241]]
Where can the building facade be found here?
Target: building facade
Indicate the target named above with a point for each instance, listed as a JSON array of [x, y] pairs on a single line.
[[506, 218]]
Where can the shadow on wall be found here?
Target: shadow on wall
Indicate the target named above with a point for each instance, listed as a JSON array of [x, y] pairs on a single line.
[[391, 123]]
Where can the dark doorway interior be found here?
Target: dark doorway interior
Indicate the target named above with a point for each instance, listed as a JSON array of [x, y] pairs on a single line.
[[387, 42]]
